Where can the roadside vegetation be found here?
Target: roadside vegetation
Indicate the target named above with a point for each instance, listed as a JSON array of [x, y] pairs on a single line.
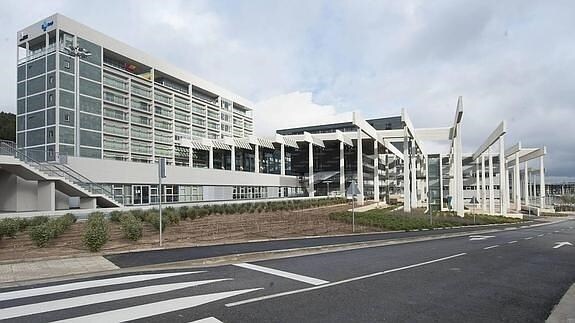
[[386, 219], [42, 229]]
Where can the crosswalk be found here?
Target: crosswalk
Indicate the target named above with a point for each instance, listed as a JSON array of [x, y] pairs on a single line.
[[25, 304]]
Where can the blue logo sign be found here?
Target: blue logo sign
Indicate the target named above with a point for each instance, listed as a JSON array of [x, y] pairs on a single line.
[[47, 24]]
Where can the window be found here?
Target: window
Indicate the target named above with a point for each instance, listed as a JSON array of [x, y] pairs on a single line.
[[67, 64], [50, 98], [50, 134], [51, 79], [66, 117]]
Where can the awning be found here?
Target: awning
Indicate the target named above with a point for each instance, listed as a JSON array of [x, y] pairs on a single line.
[[242, 143], [266, 143], [290, 142], [198, 145], [221, 145]]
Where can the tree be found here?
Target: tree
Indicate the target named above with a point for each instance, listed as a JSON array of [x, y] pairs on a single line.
[[7, 126]]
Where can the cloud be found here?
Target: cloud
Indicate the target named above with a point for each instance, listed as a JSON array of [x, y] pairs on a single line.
[[307, 62], [291, 110]]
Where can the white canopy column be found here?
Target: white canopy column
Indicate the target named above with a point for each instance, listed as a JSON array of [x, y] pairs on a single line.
[[341, 167], [375, 171], [360, 166], [406, 175], [503, 186], [282, 159], [541, 183], [483, 191], [310, 171], [491, 192], [517, 178], [526, 184]]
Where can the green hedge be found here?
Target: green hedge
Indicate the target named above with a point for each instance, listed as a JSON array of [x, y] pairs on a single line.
[[385, 219], [96, 232], [49, 229]]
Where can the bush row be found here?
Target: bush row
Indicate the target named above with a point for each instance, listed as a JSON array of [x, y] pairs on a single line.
[[42, 233], [96, 232], [171, 215], [387, 220], [10, 226]]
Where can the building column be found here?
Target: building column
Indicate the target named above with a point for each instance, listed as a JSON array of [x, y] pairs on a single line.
[[459, 165], [477, 182], [491, 191], [406, 174], [211, 158], [517, 178], [526, 184], [341, 168], [503, 187], [257, 158], [311, 190], [282, 159], [375, 171], [541, 183], [191, 157], [483, 191], [413, 156], [233, 158], [46, 196], [360, 166]]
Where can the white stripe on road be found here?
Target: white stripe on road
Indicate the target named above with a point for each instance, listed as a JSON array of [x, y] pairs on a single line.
[[257, 299], [86, 284], [157, 308], [281, 273], [65, 303], [208, 320], [491, 247], [528, 238], [540, 235], [512, 242]]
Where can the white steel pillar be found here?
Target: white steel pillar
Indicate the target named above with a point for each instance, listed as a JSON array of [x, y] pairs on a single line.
[[477, 181], [233, 158], [526, 184], [491, 192], [360, 166], [413, 181], [483, 191], [375, 171], [282, 159], [406, 175], [341, 168], [211, 158], [541, 183], [459, 172], [311, 188], [503, 186], [257, 158], [517, 178]]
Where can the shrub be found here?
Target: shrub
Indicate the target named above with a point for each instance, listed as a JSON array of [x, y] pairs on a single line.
[[37, 220], [140, 214], [183, 212], [115, 216], [96, 232], [153, 218], [41, 235], [132, 227], [9, 227]]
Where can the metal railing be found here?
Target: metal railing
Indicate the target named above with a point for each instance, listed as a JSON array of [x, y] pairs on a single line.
[[55, 169]]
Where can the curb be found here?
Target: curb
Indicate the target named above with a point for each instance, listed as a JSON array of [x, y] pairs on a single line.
[[564, 312]]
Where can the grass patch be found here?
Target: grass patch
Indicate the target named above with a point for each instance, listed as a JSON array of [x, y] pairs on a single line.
[[385, 219]]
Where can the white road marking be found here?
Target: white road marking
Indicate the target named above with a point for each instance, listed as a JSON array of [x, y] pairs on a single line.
[[512, 242], [491, 247], [208, 320], [86, 284], [281, 273], [528, 238], [540, 235], [65, 303], [157, 308], [561, 244], [257, 299], [556, 231], [479, 238]]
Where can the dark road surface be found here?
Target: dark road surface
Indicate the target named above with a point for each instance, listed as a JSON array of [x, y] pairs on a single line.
[[511, 276]]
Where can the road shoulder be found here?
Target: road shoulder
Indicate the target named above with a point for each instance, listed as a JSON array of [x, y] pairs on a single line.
[[564, 312]]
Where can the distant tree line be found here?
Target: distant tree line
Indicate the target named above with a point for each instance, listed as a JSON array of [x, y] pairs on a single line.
[[7, 126]]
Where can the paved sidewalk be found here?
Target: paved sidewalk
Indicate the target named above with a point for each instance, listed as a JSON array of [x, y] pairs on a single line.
[[39, 269], [564, 312]]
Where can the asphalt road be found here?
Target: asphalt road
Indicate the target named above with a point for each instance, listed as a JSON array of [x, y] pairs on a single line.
[[513, 276], [154, 257]]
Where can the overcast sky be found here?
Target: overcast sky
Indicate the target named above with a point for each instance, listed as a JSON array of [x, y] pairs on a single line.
[[309, 62]]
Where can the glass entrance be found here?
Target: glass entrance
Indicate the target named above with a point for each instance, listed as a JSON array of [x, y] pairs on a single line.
[[141, 194]]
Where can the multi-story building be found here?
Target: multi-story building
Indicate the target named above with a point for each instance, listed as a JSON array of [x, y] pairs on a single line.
[[84, 94], [94, 115]]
